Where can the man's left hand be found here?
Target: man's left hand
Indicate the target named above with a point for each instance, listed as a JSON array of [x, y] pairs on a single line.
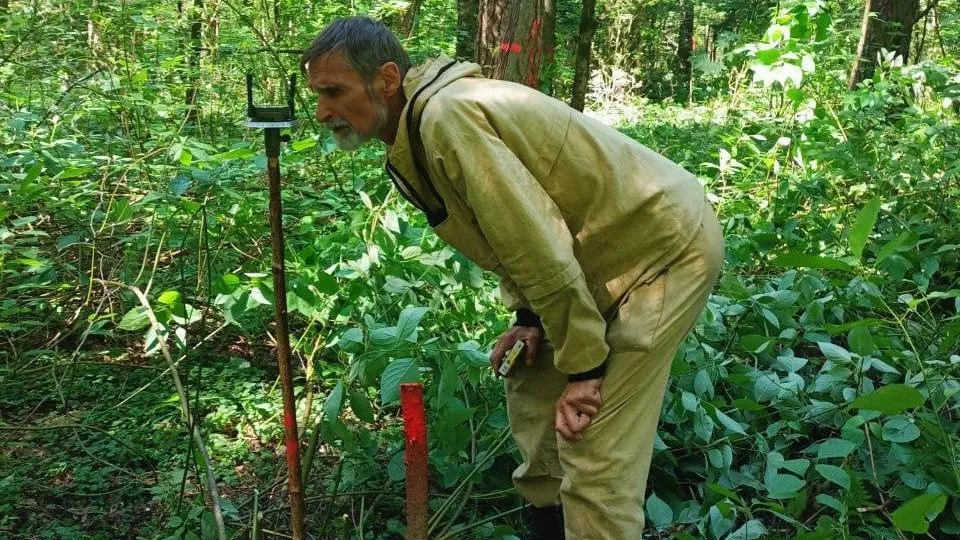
[[577, 407]]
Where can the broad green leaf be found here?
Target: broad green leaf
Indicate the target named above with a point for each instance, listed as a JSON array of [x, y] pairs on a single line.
[[904, 240], [470, 353], [900, 430], [783, 486], [834, 474], [720, 490], [729, 423], [916, 514], [331, 407], [395, 469], [408, 322], [834, 352], [360, 405], [863, 226], [835, 448], [208, 525], [399, 371], [803, 260], [751, 530], [690, 401], [703, 385], [658, 512], [860, 340], [325, 283], [135, 319], [169, 297], [890, 399]]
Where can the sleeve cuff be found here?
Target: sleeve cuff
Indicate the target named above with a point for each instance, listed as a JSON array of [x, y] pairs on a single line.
[[525, 317], [594, 373]]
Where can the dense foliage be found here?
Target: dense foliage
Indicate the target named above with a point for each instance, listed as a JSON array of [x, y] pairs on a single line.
[[817, 397]]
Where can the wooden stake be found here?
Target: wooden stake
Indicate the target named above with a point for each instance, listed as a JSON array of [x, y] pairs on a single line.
[[415, 459]]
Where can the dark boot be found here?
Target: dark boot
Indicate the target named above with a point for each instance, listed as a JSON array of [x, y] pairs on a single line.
[[544, 523]]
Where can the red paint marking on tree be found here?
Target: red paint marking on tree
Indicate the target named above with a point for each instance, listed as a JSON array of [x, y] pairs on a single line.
[[415, 459], [512, 48]]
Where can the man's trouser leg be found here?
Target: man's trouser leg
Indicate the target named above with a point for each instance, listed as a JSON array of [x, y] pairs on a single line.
[[601, 478]]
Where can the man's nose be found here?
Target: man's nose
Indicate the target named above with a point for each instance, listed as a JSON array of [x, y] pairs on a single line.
[[323, 113]]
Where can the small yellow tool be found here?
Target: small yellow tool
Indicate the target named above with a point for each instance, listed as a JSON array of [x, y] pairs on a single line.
[[510, 358]]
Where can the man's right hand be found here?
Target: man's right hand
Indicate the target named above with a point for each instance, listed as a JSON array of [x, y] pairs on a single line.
[[531, 335]]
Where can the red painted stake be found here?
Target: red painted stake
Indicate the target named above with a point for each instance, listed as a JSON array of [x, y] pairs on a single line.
[[415, 459]]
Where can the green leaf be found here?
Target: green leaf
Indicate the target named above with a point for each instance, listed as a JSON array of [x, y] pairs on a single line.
[[208, 526], [900, 430], [470, 353], [906, 239], [331, 407], [835, 448], [408, 322], [360, 405], [863, 226], [395, 469], [834, 474], [135, 319], [890, 399], [802, 260], [399, 371], [783, 486], [917, 513], [658, 512], [860, 340], [325, 283], [751, 530], [729, 423], [834, 352], [169, 298], [702, 385]]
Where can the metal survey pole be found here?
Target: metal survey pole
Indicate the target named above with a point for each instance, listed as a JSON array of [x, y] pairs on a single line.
[[273, 118]]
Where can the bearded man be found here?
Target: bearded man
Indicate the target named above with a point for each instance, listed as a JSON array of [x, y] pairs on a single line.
[[606, 250]]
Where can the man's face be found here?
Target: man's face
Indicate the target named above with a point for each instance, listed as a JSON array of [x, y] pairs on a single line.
[[352, 110]]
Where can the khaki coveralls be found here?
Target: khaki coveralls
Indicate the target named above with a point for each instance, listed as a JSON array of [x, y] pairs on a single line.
[[610, 243]]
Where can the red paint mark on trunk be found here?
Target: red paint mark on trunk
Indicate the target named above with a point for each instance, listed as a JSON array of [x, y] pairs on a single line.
[[512, 48]]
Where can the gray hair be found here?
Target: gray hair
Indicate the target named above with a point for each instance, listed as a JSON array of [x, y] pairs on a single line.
[[367, 44]]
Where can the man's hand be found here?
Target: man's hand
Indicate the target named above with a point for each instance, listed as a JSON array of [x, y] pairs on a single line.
[[529, 334], [576, 408]]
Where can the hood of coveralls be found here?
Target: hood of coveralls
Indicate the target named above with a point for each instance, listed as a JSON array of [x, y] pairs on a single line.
[[419, 85]]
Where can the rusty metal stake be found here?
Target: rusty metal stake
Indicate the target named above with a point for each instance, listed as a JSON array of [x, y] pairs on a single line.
[[271, 119]]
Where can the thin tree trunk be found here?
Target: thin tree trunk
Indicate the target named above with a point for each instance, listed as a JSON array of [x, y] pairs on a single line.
[[490, 31], [581, 75], [511, 42], [684, 70], [467, 13], [549, 72], [408, 17], [922, 42], [890, 29], [193, 61]]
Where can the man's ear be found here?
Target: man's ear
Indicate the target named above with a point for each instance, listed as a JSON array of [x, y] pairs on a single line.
[[392, 80]]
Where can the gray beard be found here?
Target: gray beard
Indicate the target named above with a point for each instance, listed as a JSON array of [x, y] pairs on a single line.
[[350, 139]]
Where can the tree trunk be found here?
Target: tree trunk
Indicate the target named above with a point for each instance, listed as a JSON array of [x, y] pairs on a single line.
[[409, 16], [684, 71], [193, 61], [891, 28], [581, 75], [467, 12], [511, 42], [549, 71], [490, 31]]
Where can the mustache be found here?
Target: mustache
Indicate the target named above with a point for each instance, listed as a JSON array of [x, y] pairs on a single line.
[[336, 124]]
